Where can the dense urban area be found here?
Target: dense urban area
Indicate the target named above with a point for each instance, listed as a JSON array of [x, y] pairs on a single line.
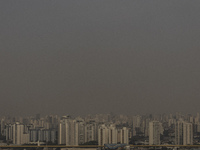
[[100, 129]]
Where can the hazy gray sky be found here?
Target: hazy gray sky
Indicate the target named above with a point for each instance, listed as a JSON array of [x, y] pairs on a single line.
[[97, 56]]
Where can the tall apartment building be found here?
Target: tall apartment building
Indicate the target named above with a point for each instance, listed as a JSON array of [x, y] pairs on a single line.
[[183, 133], [154, 133], [79, 132], [91, 131], [71, 132], [17, 134], [62, 131], [103, 135], [124, 135], [42, 135], [112, 135], [67, 132]]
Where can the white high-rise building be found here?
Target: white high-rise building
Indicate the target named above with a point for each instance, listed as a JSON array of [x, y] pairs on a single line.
[[91, 132], [187, 134], [103, 135], [66, 131], [62, 132], [71, 132], [79, 132], [183, 133], [124, 135], [154, 133], [16, 134], [179, 133], [112, 134]]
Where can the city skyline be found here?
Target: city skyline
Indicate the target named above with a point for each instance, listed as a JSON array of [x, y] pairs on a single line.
[[101, 129]]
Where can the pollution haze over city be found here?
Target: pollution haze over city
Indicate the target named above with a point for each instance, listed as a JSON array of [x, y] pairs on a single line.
[[84, 57]]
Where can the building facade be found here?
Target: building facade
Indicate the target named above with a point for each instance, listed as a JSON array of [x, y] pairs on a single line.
[[154, 133]]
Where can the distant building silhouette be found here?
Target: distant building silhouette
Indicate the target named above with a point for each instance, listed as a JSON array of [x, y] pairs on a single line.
[[183, 133], [154, 133]]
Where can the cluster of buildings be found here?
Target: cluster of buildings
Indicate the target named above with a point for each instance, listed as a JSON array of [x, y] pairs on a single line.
[[63, 130], [183, 133], [20, 131], [77, 131], [165, 129]]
